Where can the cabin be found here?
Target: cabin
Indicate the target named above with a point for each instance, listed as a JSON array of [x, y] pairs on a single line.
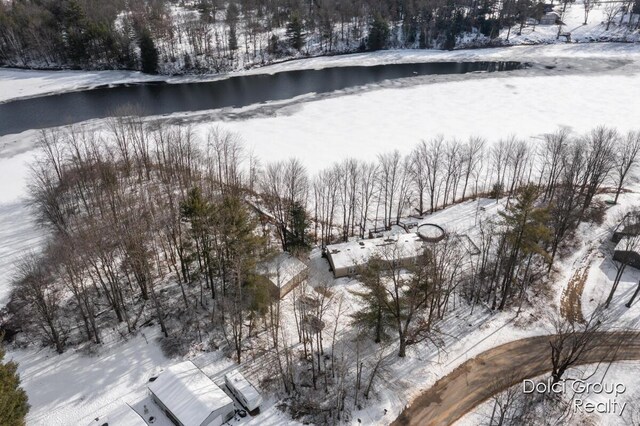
[[550, 18], [283, 273], [628, 227], [628, 251], [347, 258], [190, 398], [243, 390]]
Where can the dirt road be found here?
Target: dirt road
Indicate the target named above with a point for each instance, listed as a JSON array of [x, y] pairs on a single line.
[[496, 370]]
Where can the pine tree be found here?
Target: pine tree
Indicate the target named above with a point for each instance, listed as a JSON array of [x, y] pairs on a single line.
[[148, 54], [297, 234], [378, 34], [13, 399], [526, 234], [295, 32], [74, 23], [373, 316], [232, 21]]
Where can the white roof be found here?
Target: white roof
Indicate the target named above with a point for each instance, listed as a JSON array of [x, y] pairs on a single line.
[[188, 393], [121, 416], [282, 269], [243, 386], [356, 253]]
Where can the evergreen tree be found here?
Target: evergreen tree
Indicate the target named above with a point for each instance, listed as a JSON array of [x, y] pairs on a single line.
[[295, 32], [148, 54], [74, 24], [13, 399], [378, 34], [297, 234], [526, 234], [374, 316], [232, 21]]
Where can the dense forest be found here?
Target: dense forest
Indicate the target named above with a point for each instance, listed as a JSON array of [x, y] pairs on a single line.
[[172, 36]]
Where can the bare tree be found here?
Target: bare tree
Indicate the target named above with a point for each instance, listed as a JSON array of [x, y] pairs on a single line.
[[572, 341], [610, 10], [599, 160], [471, 158], [626, 160], [588, 7]]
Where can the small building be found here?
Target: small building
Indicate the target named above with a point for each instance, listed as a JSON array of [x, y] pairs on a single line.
[[124, 415], [243, 390], [628, 227], [346, 258], [628, 251], [283, 273], [190, 398], [549, 18]]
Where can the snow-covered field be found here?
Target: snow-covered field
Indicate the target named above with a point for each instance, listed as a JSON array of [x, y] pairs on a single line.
[[74, 388]]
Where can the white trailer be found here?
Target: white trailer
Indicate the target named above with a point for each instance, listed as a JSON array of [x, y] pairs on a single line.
[[190, 398], [243, 390]]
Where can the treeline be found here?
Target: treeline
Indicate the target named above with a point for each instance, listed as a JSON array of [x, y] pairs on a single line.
[[217, 35]]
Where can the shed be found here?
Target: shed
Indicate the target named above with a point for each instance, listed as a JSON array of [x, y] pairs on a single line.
[[190, 398], [628, 227], [243, 390], [550, 18], [628, 251], [283, 273]]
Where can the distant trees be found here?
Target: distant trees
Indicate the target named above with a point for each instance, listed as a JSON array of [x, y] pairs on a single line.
[[209, 35], [13, 399]]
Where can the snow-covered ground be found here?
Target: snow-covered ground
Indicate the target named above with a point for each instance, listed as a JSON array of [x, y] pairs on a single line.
[[366, 124], [18, 231]]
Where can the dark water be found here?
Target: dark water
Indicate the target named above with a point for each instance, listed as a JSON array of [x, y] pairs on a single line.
[[239, 91]]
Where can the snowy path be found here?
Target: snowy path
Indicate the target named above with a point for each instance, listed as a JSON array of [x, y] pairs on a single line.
[[499, 368]]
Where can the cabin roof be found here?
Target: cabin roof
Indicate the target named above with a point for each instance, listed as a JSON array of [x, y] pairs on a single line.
[[188, 393]]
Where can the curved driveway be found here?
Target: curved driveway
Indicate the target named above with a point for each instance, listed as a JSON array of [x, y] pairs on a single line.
[[499, 368]]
